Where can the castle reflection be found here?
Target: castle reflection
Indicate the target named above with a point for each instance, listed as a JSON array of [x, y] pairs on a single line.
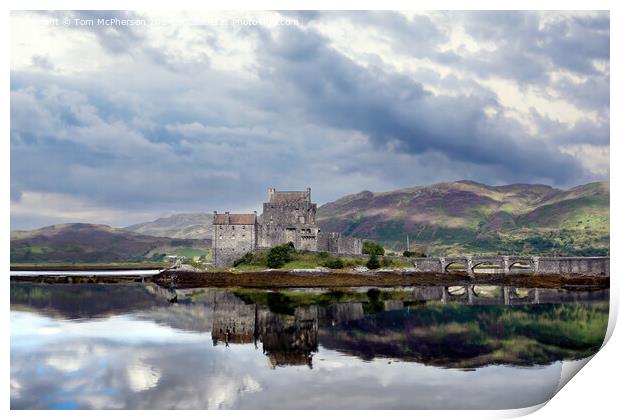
[[455, 327]]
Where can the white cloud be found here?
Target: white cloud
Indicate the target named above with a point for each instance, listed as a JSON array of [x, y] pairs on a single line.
[[142, 376], [60, 208], [192, 117]]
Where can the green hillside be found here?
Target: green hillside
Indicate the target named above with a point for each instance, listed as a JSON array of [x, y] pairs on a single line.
[[468, 217], [88, 243], [461, 217]]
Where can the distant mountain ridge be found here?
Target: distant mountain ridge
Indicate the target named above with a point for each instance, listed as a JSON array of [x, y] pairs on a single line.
[[442, 219], [89, 243], [182, 226], [469, 217], [455, 217]]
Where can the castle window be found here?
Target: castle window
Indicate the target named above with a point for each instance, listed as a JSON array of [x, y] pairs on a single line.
[[220, 236]]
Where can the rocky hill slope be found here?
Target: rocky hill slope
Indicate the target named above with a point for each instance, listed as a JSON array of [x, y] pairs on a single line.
[[468, 217], [88, 243]]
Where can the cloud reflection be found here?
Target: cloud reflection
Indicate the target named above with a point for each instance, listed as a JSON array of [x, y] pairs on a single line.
[[103, 370]]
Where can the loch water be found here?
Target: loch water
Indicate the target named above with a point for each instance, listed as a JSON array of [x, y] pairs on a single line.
[[126, 346]]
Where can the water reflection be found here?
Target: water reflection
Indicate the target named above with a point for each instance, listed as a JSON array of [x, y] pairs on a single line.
[[113, 346]]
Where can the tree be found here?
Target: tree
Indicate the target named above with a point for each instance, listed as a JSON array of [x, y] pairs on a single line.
[[414, 254], [373, 262], [332, 262], [278, 256], [246, 259], [372, 248]]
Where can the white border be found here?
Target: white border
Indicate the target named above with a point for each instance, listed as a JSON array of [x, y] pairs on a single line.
[[591, 395]]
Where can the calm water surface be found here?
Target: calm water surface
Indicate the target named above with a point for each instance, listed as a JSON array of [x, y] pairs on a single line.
[[124, 346]]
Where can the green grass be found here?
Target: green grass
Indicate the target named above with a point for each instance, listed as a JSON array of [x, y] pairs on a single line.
[[310, 260]]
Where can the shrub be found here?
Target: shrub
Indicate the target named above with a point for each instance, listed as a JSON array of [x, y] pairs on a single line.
[[414, 254], [373, 294], [278, 256], [323, 255], [197, 264], [332, 262], [246, 259], [353, 262], [372, 248], [375, 305], [373, 262], [386, 262]]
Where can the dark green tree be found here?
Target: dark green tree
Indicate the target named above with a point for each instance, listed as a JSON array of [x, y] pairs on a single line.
[[373, 262], [278, 256], [372, 248], [333, 262], [246, 259]]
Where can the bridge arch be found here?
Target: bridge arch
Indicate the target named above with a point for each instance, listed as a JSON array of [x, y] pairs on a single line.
[[521, 265], [455, 266], [481, 267], [457, 291]]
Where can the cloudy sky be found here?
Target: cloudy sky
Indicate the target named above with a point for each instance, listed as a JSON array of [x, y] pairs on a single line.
[[119, 124]]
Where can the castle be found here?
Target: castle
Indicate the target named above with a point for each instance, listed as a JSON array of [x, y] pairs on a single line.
[[288, 217]]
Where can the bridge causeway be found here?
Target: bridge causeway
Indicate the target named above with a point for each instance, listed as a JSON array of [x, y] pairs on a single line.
[[510, 264]]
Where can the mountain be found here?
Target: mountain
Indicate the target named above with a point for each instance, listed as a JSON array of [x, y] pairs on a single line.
[[82, 242], [441, 219], [182, 226], [469, 217]]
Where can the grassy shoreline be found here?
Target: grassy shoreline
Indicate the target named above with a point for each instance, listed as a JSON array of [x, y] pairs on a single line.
[[285, 279]]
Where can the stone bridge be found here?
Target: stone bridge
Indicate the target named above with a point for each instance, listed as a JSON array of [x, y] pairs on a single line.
[[509, 295], [593, 266]]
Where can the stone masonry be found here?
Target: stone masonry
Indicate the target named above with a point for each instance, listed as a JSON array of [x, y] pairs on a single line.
[[288, 217], [233, 236]]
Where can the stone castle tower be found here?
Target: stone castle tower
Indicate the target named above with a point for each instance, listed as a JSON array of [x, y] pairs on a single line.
[[288, 217], [233, 236]]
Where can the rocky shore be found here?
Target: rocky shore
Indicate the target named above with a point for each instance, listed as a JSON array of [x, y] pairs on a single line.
[[329, 279]]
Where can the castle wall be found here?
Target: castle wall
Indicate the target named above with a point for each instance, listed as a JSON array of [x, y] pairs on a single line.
[[234, 321], [289, 213], [231, 242], [288, 216], [270, 235], [337, 243]]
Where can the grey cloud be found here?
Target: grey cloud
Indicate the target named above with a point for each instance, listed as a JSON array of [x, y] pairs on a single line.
[[115, 39], [591, 94], [42, 62], [184, 136], [338, 92], [526, 48]]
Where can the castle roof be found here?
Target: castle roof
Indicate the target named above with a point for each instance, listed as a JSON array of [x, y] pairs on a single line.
[[289, 196], [234, 219]]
